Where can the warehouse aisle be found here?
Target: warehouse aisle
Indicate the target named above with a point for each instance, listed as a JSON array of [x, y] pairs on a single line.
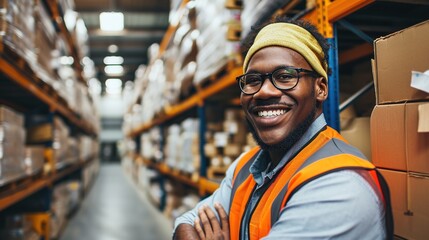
[[114, 210]]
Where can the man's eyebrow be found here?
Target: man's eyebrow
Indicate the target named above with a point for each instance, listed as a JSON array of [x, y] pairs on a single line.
[[276, 68], [253, 71]]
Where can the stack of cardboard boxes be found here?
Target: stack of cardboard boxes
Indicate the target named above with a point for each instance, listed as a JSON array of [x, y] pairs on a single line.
[[399, 127], [12, 145]]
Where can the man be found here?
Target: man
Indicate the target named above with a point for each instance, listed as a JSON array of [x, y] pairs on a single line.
[[303, 181]]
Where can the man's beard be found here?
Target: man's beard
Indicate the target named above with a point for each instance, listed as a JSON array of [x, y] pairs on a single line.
[[287, 142]]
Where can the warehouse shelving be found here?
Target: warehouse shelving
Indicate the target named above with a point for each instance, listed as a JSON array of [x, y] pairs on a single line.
[[25, 187], [164, 43], [203, 185], [172, 173], [18, 83], [22, 90], [60, 24], [193, 101]]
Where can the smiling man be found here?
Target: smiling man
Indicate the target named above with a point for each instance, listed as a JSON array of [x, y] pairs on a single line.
[[303, 181]]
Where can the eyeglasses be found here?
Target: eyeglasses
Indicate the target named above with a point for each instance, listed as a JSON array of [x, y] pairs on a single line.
[[284, 78]]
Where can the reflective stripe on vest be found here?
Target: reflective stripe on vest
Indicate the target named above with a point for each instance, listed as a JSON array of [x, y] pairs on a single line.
[[327, 152]]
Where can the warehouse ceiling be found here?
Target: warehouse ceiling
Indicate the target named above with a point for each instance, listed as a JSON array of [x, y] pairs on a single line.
[[145, 23]]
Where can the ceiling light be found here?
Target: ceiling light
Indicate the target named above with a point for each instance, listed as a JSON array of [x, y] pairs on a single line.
[[113, 86], [111, 21], [113, 60], [112, 48], [114, 70]]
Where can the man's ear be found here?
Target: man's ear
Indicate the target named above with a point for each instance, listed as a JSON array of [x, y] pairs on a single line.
[[321, 86]]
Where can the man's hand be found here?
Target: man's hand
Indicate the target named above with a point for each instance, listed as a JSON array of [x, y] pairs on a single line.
[[207, 225]]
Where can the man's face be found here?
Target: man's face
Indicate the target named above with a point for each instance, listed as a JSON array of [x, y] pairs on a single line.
[[272, 113]]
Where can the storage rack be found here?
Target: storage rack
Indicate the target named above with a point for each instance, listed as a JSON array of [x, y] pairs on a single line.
[[57, 16], [329, 17], [21, 89]]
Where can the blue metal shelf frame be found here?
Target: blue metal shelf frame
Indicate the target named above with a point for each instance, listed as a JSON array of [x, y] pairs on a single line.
[[330, 106], [202, 136]]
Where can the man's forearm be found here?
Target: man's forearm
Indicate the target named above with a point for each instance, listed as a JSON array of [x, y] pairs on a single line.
[[186, 232]]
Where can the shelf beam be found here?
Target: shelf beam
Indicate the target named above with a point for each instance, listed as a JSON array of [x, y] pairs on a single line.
[[165, 170], [33, 186], [10, 199], [203, 185], [339, 9]]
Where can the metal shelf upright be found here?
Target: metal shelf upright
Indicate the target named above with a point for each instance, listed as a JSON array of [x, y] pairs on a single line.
[[325, 17]]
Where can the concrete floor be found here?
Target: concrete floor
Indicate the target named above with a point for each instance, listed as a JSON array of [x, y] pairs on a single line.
[[115, 210]]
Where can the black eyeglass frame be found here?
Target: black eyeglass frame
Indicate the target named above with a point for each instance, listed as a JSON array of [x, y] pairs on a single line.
[[264, 76]]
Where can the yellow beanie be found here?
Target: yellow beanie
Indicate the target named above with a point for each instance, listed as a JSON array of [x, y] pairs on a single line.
[[294, 37]]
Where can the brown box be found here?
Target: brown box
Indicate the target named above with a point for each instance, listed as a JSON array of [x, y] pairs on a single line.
[[357, 133], [11, 116], [395, 141], [396, 55], [409, 205], [40, 133]]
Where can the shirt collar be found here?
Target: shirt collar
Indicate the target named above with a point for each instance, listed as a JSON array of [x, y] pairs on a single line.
[[259, 168]]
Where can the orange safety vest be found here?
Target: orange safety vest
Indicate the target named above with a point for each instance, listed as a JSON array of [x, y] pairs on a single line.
[[326, 153]]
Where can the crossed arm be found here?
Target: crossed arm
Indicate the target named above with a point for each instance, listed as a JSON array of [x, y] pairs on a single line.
[[206, 225], [203, 217]]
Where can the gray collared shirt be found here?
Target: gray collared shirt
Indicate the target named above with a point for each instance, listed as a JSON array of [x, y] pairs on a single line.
[[339, 205]]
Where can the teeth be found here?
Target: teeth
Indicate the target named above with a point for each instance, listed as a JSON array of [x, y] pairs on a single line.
[[271, 113]]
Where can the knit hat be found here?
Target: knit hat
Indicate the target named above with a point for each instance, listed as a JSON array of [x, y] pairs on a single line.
[[290, 36]]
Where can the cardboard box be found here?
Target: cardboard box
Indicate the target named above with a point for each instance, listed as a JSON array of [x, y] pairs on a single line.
[[396, 55], [395, 142], [409, 205], [41, 133], [358, 135], [11, 116]]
